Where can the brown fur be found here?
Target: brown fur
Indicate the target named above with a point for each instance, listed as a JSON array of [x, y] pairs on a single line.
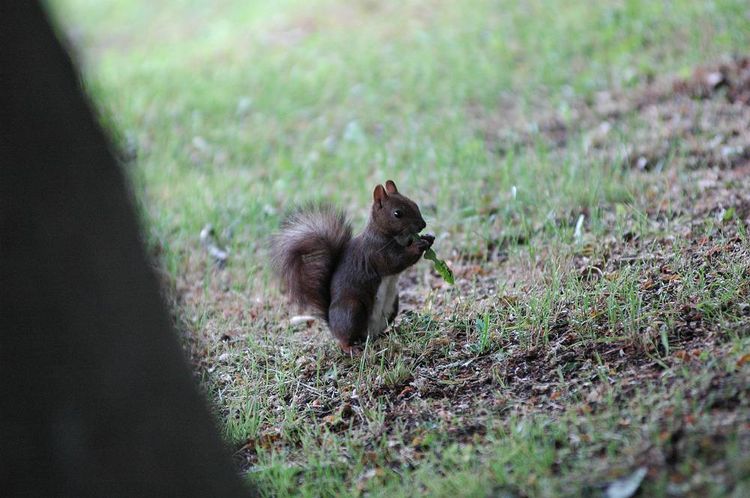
[[306, 251]]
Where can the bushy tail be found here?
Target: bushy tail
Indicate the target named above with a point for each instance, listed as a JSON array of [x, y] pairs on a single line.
[[306, 251]]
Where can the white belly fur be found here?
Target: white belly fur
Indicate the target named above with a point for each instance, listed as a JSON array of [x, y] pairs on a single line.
[[383, 306]]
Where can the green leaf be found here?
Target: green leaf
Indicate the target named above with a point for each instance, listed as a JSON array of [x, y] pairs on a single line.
[[440, 266]]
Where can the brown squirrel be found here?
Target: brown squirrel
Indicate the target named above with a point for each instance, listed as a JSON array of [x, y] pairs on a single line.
[[350, 282]]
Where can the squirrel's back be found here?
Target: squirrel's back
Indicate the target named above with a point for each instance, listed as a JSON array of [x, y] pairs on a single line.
[[306, 251]]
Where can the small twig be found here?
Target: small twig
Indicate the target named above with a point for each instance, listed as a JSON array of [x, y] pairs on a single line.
[[462, 363], [310, 388]]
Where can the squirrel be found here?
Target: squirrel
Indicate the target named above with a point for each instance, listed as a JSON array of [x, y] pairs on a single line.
[[350, 282]]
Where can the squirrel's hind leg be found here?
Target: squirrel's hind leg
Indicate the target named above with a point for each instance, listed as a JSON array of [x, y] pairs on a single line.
[[348, 320]]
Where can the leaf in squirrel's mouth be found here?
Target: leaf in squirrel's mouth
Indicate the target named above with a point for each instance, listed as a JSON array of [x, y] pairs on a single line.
[[440, 265]]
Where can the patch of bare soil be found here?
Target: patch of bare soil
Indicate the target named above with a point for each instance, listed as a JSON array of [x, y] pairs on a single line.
[[705, 119]]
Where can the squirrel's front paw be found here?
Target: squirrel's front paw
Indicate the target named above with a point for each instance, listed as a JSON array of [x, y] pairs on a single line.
[[418, 247], [424, 242], [428, 238]]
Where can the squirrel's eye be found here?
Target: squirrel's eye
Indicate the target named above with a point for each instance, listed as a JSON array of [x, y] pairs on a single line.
[[397, 213]]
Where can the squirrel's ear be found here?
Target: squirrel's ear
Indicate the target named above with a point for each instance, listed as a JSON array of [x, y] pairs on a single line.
[[379, 195], [390, 187]]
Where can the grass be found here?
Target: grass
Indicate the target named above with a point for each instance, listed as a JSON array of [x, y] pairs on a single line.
[[568, 354]]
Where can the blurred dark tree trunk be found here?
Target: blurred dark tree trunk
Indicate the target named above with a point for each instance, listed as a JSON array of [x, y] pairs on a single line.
[[96, 398]]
